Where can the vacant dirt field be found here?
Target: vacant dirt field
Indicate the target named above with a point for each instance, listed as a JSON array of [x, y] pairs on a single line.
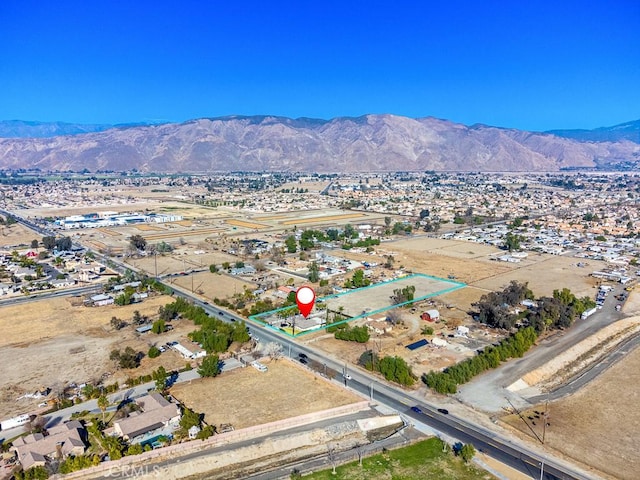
[[181, 260], [420, 259], [378, 297], [470, 263], [549, 272], [323, 219], [210, 285], [599, 425], [16, 234], [246, 397], [48, 343], [245, 224]]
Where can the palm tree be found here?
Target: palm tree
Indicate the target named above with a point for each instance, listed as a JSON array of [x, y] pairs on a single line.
[[103, 404]]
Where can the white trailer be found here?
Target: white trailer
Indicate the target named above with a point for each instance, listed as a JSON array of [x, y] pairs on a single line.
[[587, 313], [14, 422]]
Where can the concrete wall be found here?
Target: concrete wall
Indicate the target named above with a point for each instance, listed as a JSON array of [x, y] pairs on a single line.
[[142, 463]]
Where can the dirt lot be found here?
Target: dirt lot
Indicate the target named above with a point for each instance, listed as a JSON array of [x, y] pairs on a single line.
[[470, 263], [377, 297], [210, 286], [598, 425], [181, 260], [55, 343], [284, 391], [16, 234]]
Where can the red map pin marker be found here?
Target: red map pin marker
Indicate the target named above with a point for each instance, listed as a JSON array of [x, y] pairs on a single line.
[[306, 298]]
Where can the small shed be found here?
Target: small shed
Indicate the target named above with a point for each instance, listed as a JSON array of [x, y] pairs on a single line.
[[462, 331], [144, 328], [439, 342], [430, 316]]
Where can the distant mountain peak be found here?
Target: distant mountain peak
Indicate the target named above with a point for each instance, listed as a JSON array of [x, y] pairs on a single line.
[[629, 131]]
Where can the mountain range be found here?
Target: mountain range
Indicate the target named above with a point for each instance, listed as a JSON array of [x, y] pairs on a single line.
[[369, 143]]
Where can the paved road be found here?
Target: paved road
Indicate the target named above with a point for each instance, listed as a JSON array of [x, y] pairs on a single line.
[[519, 456], [132, 471], [584, 377], [488, 391], [46, 294]]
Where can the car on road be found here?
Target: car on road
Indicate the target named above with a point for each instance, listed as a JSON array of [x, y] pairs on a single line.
[[206, 303], [303, 355], [220, 313], [303, 361], [347, 376], [416, 409], [443, 411]]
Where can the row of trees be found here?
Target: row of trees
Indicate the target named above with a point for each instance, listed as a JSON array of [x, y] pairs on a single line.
[[403, 295], [448, 380]]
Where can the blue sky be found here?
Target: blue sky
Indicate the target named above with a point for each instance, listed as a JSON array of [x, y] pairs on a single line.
[[528, 65]]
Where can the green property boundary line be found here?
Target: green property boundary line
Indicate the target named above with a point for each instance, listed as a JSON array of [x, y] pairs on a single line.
[[456, 286]]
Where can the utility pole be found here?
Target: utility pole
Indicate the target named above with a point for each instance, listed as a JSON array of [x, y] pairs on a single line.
[[545, 416]]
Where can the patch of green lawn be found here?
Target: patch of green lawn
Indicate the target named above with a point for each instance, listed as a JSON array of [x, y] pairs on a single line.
[[422, 460]]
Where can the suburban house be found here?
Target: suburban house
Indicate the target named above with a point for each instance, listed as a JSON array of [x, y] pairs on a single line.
[[61, 441], [157, 413]]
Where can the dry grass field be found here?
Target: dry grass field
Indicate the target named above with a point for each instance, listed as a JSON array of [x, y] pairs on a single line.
[[323, 219], [16, 234], [244, 224], [54, 342], [470, 263], [143, 227], [210, 285], [246, 397], [598, 425], [180, 261]]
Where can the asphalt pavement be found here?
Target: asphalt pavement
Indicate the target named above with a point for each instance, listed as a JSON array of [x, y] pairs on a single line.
[[488, 392]]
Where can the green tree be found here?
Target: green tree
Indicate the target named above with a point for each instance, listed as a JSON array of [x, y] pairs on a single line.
[[210, 366], [135, 449], [517, 222], [49, 242], [190, 419], [314, 274], [160, 377], [137, 242], [357, 280], [512, 241], [164, 247], [34, 243], [291, 245], [467, 452], [213, 268], [153, 352], [64, 244], [158, 326]]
